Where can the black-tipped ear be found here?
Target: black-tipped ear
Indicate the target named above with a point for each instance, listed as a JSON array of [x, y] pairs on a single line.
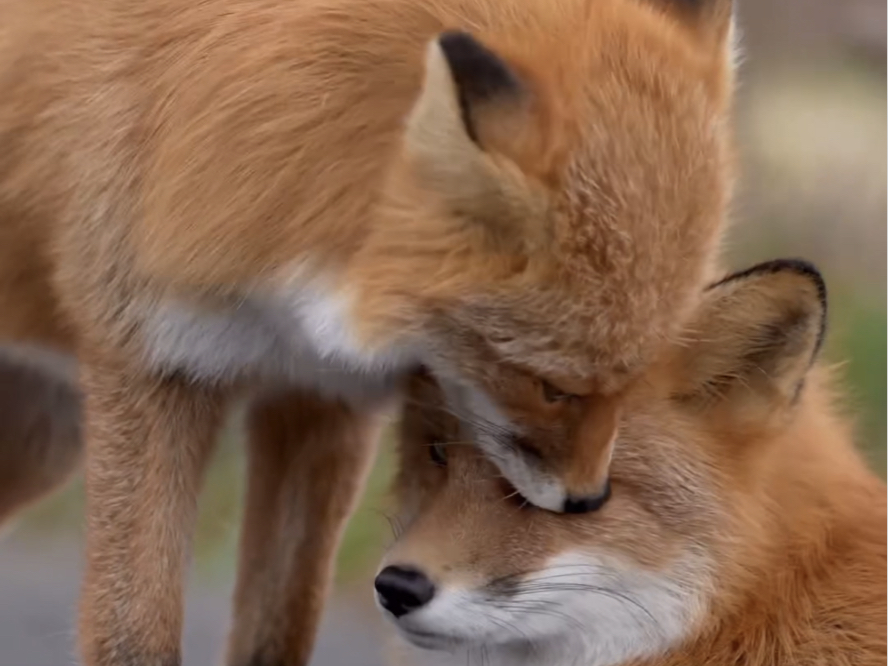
[[479, 75], [757, 332], [468, 89]]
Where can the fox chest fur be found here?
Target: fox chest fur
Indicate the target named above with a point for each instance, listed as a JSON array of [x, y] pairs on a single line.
[[302, 338]]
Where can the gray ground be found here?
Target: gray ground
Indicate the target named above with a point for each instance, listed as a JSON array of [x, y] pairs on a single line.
[[38, 593]]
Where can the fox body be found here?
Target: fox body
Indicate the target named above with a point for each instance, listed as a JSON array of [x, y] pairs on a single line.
[[299, 202], [743, 527]]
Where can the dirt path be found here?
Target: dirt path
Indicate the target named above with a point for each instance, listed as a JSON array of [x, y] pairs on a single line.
[[38, 595]]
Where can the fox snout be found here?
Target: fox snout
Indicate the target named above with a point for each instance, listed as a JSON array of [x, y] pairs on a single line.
[[588, 503], [402, 589]]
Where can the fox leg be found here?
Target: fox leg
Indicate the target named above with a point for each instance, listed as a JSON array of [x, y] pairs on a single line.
[[40, 442], [147, 444], [308, 459]]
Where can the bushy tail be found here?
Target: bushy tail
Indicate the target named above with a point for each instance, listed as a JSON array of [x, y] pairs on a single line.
[[40, 437]]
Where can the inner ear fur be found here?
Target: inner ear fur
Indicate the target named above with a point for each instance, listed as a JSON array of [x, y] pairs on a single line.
[[756, 332], [467, 84]]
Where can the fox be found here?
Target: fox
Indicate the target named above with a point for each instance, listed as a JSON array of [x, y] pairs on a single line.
[[296, 205], [743, 525]]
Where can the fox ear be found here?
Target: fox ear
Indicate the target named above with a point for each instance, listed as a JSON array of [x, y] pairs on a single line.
[[467, 84], [463, 77], [755, 335]]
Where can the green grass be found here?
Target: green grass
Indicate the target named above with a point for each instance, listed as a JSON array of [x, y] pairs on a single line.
[[368, 530], [858, 340]]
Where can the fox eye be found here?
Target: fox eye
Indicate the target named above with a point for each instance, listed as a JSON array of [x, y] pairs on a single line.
[[437, 454], [554, 394]]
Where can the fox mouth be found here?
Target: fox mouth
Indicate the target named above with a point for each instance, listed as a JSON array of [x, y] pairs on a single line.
[[428, 640]]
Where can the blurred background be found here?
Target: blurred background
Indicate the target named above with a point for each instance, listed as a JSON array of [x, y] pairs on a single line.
[[811, 118]]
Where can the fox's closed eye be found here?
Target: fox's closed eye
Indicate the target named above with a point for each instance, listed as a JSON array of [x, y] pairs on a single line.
[[437, 453], [554, 394]]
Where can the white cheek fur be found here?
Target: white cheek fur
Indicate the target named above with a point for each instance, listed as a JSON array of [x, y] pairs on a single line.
[[582, 609]]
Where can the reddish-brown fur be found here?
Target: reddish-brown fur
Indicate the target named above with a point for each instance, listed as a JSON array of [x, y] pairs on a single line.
[[325, 474], [204, 155], [717, 458]]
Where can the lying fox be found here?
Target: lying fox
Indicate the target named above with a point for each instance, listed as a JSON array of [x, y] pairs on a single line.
[[299, 202], [743, 527]]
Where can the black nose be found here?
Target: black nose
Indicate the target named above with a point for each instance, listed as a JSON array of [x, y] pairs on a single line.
[[403, 589], [589, 503]]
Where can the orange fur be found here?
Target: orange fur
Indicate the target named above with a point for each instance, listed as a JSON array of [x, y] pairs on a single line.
[[309, 490], [194, 194], [731, 491], [145, 435]]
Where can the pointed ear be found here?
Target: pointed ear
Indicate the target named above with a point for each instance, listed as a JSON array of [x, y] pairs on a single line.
[[465, 85], [463, 77], [755, 336]]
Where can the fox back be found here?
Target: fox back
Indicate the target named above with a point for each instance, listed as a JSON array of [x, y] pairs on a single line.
[[743, 527]]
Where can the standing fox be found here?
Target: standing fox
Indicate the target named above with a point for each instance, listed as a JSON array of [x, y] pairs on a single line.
[[743, 527], [299, 202]]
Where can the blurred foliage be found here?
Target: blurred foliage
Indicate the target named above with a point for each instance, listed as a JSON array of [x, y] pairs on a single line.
[[859, 340]]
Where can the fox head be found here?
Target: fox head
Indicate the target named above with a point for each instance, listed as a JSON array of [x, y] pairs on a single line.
[[477, 568], [553, 211]]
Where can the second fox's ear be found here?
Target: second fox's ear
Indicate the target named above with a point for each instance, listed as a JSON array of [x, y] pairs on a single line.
[[755, 336], [467, 88]]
